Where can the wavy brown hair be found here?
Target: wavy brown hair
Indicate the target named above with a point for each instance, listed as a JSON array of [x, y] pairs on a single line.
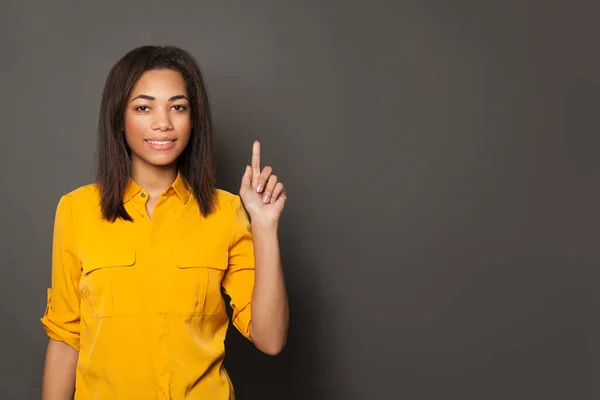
[[196, 163]]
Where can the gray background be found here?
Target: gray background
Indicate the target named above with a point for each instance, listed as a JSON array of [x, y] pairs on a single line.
[[440, 239]]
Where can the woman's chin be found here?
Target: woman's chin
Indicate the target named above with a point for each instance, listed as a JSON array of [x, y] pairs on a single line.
[[159, 162], [163, 163]]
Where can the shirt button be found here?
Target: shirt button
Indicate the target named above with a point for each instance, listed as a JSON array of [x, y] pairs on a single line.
[[143, 194]]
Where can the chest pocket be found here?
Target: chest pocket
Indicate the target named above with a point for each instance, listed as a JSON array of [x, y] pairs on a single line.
[[110, 283], [198, 279]]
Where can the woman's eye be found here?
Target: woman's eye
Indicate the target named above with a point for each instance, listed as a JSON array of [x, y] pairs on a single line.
[[180, 108], [142, 108]]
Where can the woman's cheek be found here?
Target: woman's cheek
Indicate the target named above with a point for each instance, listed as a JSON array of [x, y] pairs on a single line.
[[134, 127], [183, 124]]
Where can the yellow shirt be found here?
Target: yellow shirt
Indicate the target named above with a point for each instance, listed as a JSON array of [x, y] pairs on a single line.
[[141, 301]]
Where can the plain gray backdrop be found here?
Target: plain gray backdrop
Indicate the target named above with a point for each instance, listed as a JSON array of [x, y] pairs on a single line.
[[441, 157]]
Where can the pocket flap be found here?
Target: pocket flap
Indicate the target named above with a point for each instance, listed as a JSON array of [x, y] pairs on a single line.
[[201, 258], [108, 259]]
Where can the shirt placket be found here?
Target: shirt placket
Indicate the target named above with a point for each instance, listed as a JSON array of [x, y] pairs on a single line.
[[151, 231]]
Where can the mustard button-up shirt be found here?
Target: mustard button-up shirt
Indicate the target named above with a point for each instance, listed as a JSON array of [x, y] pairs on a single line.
[[141, 301]]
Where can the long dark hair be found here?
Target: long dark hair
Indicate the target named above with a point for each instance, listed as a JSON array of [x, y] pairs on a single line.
[[196, 163]]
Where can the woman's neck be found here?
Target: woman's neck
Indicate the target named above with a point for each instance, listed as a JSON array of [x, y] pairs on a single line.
[[153, 179]]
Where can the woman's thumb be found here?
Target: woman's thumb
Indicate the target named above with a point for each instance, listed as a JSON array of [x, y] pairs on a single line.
[[247, 178]]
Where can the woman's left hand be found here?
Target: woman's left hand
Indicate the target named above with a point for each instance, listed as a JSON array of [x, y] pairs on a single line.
[[263, 195]]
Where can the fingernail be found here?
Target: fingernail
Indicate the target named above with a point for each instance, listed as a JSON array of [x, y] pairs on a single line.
[[266, 198], [258, 188]]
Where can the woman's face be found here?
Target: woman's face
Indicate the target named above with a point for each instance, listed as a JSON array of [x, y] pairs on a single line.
[[157, 118]]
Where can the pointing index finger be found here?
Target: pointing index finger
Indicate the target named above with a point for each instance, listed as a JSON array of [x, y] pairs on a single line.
[[255, 163]]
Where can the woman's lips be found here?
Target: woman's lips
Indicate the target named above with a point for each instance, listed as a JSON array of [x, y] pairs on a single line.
[[158, 144]]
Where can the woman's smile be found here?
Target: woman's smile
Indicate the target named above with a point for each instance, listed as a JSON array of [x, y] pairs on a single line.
[[160, 144]]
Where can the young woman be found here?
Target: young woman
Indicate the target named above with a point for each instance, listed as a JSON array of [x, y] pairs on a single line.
[[139, 258]]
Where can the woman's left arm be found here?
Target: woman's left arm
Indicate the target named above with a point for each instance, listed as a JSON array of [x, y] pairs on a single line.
[[270, 313], [264, 198]]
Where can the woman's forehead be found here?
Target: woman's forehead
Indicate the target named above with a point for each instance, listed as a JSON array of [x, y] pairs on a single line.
[[162, 84]]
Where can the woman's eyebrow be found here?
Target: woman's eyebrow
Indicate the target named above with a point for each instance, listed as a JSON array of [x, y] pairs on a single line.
[[151, 98]]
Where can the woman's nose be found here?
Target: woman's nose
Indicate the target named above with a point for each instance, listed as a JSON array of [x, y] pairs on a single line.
[[162, 121]]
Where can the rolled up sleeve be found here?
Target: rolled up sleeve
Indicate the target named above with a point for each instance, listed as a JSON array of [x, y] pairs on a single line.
[[238, 281], [61, 317]]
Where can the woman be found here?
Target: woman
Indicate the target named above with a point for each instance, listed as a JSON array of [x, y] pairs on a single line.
[[139, 258]]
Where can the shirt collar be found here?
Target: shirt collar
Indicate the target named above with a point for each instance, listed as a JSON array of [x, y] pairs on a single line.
[[182, 188], [179, 187]]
